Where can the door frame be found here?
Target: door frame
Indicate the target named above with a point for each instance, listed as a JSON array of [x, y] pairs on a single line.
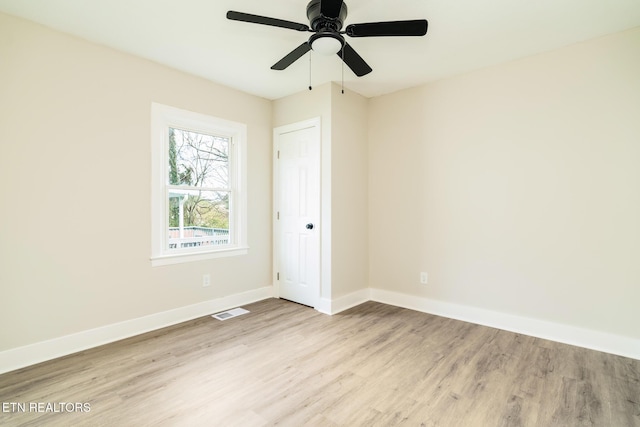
[[277, 131]]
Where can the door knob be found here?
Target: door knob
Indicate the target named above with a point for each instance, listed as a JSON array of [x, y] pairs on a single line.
[[309, 226]]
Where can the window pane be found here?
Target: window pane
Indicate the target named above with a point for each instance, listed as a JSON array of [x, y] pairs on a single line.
[[198, 218], [198, 160]]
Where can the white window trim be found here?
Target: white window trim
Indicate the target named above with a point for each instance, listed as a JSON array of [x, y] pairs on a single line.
[[163, 117]]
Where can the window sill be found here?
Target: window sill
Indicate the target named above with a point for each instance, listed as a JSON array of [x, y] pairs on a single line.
[[161, 260]]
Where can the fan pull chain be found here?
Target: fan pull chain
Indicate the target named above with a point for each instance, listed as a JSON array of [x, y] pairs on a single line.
[[343, 68], [310, 88]]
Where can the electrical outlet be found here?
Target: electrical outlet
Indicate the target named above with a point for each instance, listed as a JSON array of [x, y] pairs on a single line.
[[206, 280], [424, 278]]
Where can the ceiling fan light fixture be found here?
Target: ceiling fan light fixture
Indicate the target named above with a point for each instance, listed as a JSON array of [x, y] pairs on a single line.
[[326, 18], [326, 45]]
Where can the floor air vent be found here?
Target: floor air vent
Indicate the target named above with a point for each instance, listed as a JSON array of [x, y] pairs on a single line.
[[235, 312]]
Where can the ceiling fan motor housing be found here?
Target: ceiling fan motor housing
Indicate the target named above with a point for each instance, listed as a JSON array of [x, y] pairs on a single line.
[[319, 22]]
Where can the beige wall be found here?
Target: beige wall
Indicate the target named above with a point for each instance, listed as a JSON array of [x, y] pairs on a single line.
[[517, 187], [349, 197], [75, 186]]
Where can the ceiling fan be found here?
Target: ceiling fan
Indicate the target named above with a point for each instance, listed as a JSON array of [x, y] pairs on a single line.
[[326, 18]]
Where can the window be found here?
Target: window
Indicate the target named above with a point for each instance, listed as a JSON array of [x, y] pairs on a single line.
[[198, 186]]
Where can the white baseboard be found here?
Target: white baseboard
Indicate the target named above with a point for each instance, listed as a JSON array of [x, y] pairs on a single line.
[[350, 300], [324, 306], [345, 302], [20, 357], [595, 340], [46, 350]]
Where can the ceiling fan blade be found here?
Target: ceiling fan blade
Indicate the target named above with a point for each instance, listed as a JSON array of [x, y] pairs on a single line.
[[417, 27], [292, 57], [330, 8], [354, 61], [257, 19]]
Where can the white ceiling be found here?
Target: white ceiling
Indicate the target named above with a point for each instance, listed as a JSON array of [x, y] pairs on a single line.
[[194, 36]]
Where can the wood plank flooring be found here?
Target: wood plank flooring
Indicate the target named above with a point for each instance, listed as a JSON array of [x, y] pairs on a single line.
[[286, 364]]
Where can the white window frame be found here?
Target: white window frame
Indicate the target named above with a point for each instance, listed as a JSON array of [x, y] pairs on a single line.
[[162, 118]]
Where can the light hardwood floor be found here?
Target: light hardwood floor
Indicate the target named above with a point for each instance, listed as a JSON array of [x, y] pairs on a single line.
[[373, 365]]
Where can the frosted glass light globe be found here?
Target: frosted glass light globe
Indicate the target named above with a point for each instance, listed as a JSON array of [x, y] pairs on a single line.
[[326, 45]]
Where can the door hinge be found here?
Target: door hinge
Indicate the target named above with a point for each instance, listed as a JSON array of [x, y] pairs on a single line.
[[278, 215], [278, 154], [277, 276]]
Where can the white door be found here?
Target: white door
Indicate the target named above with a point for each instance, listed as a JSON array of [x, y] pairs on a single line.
[[297, 200]]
